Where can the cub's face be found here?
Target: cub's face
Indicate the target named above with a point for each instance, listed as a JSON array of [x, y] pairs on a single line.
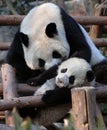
[[74, 72]]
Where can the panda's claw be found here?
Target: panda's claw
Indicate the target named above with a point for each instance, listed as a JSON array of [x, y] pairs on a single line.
[[31, 83]]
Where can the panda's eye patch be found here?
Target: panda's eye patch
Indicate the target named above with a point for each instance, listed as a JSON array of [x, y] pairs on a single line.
[[64, 70], [71, 79], [41, 62], [55, 54]]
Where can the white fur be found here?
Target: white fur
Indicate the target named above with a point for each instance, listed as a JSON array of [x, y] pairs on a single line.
[[75, 67], [96, 56], [41, 46], [49, 85]]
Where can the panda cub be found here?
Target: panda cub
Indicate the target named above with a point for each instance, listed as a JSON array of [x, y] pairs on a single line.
[[74, 72]]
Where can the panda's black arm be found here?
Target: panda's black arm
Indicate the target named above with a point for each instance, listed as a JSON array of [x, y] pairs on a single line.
[[57, 96], [46, 75]]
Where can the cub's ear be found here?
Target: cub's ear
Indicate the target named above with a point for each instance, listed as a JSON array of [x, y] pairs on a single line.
[[24, 39], [90, 76], [51, 30]]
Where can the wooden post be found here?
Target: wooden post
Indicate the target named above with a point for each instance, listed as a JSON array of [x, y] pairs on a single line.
[[95, 29], [9, 89], [84, 108]]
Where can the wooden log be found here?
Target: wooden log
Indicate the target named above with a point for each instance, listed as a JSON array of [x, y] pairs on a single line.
[[95, 29], [99, 42], [91, 20], [10, 19], [27, 101], [4, 46], [9, 89], [22, 89], [9, 81], [83, 108], [84, 20]]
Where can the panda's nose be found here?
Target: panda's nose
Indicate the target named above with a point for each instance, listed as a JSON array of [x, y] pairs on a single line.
[[60, 80], [63, 81], [41, 62]]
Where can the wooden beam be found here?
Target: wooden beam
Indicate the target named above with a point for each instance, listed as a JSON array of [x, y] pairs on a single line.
[[15, 20], [99, 42]]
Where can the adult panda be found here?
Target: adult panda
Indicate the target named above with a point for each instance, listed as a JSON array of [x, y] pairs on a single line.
[[46, 37], [71, 73]]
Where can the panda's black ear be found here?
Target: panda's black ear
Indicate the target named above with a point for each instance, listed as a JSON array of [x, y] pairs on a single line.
[[90, 76], [24, 39], [51, 30]]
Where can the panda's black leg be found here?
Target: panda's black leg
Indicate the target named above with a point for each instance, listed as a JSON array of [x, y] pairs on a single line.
[[57, 96], [46, 75]]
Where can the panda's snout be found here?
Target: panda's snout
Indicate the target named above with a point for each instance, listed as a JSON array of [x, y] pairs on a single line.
[[62, 81], [59, 81]]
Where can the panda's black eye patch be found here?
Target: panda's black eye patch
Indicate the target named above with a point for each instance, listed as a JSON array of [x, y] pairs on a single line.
[[51, 30], [55, 54], [24, 39], [71, 79], [41, 63], [64, 70]]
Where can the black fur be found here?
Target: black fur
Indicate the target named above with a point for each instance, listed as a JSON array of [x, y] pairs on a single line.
[[71, 79], [41, 62], [90, 76], [24, 39], [46, 75], [56, 54], [75, 37], [57, 96], [51, 30], [100, 71], [15, 57]]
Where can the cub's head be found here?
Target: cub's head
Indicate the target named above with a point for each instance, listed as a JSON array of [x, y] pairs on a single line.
[[74, 72], [43, 37]]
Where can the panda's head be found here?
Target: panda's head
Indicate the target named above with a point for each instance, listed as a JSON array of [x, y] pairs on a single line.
[[74, 72], [43, 37]]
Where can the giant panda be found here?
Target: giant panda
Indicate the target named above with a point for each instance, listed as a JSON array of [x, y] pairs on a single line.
[[46, 37], [73, 72]]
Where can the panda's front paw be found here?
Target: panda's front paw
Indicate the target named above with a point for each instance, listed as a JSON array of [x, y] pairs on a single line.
[[37, 81], [57, 96], [32, 82]]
